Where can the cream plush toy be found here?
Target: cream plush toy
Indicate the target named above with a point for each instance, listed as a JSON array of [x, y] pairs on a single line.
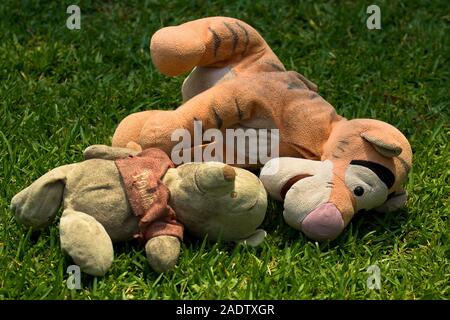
[[117, 194]]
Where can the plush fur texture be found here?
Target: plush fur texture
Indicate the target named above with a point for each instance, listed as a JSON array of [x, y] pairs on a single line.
[[238, 82], [210, 199]]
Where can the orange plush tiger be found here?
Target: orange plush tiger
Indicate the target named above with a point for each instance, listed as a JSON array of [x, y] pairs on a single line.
[[236, 81]]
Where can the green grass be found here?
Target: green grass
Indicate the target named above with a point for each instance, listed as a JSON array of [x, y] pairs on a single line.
[[63, 90]]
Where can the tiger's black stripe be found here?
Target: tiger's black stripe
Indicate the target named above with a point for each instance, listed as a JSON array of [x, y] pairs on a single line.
[[405, 164], [296, 85], [247, 39], [311, 85], [275, 66], [219, 120], [234, 35], [239, 111], [216, 39]]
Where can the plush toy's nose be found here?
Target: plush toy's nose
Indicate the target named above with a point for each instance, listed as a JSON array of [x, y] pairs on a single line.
[[323, 223], [228, 173], [213, 176]]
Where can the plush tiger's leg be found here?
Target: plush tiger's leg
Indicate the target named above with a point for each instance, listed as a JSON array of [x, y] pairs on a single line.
[[129, 129], [219, 107], [214, 42]]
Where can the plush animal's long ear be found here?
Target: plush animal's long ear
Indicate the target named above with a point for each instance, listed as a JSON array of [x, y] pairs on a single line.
[[395, 202], [100, 151], [382, 144], [278, 172]]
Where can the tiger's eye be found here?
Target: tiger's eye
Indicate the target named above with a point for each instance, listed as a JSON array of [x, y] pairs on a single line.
[[358, 191], [234, 194]]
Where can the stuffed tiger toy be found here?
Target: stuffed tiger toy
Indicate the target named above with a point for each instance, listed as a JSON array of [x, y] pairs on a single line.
[[329, 167]]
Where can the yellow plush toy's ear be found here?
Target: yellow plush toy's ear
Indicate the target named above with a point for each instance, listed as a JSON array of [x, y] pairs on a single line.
[[384, 145]]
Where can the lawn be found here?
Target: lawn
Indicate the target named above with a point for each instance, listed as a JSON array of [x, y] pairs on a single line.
[[62, 90]]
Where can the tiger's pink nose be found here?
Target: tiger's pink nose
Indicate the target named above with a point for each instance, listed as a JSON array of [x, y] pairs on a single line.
[[323, 223]]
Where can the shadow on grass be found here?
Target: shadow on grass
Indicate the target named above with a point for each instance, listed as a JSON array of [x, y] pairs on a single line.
[[377, 226], [365, 228], [380, 223]]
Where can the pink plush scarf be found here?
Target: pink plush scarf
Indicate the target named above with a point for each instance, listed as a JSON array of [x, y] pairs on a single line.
[[147, 195]]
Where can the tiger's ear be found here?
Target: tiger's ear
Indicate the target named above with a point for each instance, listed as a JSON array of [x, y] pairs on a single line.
[[382, 144]]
